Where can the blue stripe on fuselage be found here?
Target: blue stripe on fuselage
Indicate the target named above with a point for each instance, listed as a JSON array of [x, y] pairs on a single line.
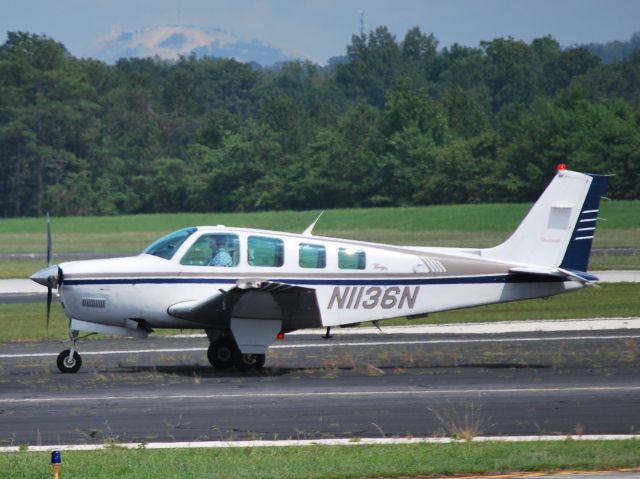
[[517, 278]]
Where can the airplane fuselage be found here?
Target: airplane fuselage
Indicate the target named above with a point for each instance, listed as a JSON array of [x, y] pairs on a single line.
[[354, 282], [245, 287]]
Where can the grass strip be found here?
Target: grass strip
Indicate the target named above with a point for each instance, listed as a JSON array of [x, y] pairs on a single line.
[[452, 225], [470, 217], [612, 300], [332, 461]]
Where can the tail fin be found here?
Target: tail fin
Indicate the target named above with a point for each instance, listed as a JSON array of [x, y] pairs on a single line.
[[558, 231]]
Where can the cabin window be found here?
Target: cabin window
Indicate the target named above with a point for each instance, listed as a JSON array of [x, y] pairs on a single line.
[[312, 256], [349, 258], [266, 252], [222, 250], [167, 246]]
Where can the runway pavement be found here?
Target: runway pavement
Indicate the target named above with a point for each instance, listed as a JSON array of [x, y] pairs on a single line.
[[162, 389], [417, 383]]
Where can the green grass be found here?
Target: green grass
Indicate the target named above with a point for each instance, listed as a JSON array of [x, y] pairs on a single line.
[[19, 268], [331, 461], [133, 232], [27, 321], [473, 217]]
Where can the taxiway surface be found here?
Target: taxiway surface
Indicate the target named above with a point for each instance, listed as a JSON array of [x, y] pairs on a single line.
[[372, 385]]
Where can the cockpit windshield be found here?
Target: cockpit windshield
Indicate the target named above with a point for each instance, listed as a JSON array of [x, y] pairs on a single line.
[[167, 246]]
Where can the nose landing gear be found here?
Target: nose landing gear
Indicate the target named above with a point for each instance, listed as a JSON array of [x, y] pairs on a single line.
[[69, 361]]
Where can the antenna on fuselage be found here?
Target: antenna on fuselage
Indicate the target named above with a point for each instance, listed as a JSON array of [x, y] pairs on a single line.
[[309, 229]]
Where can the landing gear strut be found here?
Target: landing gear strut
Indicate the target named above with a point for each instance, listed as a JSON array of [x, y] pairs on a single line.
[[69, 361], [223, 353]]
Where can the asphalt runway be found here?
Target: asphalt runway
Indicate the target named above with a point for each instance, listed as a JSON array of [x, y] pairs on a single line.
[[373, 385]]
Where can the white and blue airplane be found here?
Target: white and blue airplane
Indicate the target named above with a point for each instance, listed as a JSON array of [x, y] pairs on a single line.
[[247, 287]]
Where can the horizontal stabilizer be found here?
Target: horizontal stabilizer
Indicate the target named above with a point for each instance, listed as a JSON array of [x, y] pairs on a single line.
[[579, 276]]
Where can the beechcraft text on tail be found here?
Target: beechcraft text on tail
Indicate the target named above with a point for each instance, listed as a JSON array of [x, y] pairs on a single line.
[[247, 287]]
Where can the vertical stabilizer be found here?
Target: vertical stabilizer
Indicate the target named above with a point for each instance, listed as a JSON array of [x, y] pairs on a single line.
[[558, 231]]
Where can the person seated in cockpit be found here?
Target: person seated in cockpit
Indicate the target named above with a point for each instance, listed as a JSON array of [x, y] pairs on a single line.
[[219, 255]]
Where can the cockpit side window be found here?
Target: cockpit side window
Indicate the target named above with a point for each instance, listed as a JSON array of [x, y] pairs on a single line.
[[216, 249], [263, 251], [167, 246]]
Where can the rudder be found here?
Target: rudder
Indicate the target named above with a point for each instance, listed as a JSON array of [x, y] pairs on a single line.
[[576, 256]]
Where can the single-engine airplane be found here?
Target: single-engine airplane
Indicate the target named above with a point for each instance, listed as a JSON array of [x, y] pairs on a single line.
[[247, 287]]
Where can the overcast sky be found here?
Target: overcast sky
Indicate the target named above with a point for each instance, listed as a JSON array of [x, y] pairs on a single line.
[[320, 29]]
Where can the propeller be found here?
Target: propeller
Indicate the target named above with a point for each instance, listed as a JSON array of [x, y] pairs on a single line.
[[49, 258], [49, 276]]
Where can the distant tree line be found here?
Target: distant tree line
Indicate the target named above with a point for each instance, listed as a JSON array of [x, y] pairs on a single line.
[[398, 122], [616, 50]]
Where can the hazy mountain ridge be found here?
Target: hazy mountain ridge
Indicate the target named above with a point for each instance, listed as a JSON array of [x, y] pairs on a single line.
[[171, 42]]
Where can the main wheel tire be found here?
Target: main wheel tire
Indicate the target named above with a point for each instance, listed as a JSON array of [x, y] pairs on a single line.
[[248, 362], [220, 353], [68, 363]]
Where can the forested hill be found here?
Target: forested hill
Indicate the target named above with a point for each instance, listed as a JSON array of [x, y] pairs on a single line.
[[400, 122]]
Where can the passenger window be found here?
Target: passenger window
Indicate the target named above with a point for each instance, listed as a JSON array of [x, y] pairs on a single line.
[[312, 256], [349, 258], [266, 252], [221, 250]]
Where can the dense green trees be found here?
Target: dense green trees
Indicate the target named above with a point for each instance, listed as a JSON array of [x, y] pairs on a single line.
[[398, 122]]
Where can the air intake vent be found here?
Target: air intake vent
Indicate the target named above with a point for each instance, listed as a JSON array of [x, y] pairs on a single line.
[[94, 303]]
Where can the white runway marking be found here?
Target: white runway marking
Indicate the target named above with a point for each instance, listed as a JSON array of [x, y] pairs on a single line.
[[331, 344], [316, 442], [449, 341], [306, 394], [95, 353], [495, 327]]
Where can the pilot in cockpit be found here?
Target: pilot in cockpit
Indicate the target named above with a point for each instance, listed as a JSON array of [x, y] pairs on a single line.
[[219, 254]]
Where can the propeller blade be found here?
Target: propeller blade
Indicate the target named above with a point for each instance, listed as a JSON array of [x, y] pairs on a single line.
[[49, 241], [49, 298]]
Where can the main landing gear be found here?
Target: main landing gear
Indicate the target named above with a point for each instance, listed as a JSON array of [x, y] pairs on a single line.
[[223, 353], [69, 361]]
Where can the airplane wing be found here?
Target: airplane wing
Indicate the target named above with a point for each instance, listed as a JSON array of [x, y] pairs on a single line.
[[254, 299]]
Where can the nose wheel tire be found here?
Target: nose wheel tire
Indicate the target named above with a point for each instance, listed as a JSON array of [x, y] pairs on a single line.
[[248, 362], [220, 353], [68, 363]]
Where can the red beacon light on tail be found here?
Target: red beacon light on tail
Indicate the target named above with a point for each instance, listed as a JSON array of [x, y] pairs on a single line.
[[561, 166]]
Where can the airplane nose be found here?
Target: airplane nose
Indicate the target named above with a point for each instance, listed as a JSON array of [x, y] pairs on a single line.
[[47, 276]]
